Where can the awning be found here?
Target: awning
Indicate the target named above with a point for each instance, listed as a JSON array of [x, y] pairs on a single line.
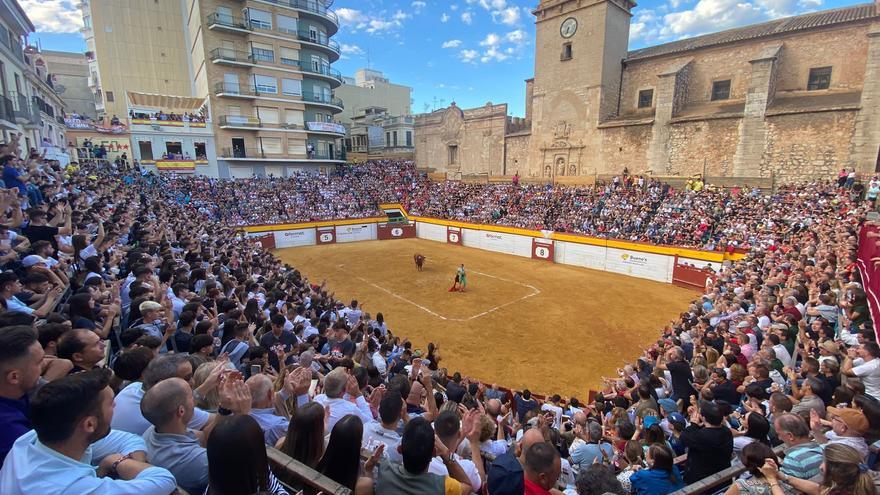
[[167, 103]]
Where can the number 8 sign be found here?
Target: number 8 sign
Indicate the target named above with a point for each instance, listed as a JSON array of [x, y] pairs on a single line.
[[542, 249]]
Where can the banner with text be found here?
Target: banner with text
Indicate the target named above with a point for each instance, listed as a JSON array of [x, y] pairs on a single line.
[[294, 238]]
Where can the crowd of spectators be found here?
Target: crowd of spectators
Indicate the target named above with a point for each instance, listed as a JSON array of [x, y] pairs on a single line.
[[147, 346], [167, 116], [628, 208]]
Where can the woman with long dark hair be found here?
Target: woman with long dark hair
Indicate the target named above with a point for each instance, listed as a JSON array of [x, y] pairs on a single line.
[[82, 314], [756, 429], [342, 459], [662, 475], [237, 462], [753, 456], [305, 436]]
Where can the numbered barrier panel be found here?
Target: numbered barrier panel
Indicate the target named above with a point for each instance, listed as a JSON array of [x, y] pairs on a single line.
[[542, 249], [326, 235], [453, 235], [395, 231]]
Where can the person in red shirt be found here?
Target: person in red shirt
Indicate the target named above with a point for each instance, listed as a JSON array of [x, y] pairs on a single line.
[[542, 469]]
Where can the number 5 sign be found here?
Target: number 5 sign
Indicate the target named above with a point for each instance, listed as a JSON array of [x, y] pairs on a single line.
[[542, 249]]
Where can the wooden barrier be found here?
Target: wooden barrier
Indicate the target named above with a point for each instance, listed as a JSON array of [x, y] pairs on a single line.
[[301, 477], [711, 484]]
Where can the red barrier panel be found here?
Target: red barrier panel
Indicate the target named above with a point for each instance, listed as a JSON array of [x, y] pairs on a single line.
[[453, 235], [326, 235], [542, 249], [386, 231], [690, 277], [266, 240], [869, 250]]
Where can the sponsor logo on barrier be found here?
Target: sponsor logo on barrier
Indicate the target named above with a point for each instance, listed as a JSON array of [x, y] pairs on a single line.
[[494, 236], [293, 233], [631, 259], [397, 232]]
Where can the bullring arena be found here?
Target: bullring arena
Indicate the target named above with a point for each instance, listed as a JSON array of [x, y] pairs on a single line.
[[517, 321]]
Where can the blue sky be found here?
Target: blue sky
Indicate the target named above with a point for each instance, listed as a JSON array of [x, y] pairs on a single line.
[[467, 51]]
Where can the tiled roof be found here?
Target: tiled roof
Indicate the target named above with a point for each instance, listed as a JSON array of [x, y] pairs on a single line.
[[785, 25]]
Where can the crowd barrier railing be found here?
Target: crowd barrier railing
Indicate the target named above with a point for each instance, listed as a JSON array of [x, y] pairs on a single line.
[[869, 236]]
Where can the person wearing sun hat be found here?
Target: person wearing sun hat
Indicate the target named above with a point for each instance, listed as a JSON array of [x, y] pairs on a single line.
[[848, 427]]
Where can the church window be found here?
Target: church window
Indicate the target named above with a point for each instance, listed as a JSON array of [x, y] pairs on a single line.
[[453, 155], [721, 90], [820, 78], [646, 98], [566, 51]]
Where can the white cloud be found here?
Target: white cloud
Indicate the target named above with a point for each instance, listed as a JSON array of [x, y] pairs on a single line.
[[53, 16], [451, 44], [444, 17], [490, 40], [467, 17], [453, 7], [351, 49], [668, 22], [468, 56], [418, 5], [518, 37], [355, 20], [508, 16]]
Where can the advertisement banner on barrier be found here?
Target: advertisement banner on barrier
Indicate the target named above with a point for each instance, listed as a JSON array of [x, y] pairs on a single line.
[[326, 235], [453, 235], [294, 238], [497, 241], [542, 249], [638, 264], [386, 231], [352, 233]]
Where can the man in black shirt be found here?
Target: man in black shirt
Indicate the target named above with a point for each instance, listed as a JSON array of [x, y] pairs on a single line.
[[709, 444], [341, 346], [38, 229], [722, 388], [278, 342], [454, 391], [681, 374]]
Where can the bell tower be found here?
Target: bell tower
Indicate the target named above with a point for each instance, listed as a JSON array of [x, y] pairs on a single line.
[[579, 46]]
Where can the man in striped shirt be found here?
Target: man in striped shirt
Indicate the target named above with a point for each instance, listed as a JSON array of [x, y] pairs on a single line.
[[802, 455]]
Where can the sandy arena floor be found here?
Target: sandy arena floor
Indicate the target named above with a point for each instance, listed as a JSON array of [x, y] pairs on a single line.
[[522, 323]]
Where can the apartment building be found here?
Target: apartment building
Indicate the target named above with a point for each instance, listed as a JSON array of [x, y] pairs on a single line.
[[265, 67], [17, 114], [46, 103], [70, 74]]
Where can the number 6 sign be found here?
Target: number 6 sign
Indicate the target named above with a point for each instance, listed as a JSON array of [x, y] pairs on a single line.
[[542, 249]]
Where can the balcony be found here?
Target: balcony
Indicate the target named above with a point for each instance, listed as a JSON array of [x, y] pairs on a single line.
[[318, 98], [257, 153], [24, 112], [13, 45], [231, 57], [235, 90], [319, 39], [239, 121], [332, 75], [43, 106], [7, 109], [227, 22], [311, 8]]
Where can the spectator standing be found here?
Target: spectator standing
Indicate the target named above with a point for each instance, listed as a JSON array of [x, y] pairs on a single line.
[[709, 444]]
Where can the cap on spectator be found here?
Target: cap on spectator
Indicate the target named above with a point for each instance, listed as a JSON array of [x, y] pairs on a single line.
[[650, 421], [668, 405], [830, 346], [677, 417], [779, 326], [854, 419], [149, 306], [743, 324], [31, 260]]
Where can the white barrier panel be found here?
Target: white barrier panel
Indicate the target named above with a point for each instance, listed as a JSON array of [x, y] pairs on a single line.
[[638, 264], [522, 245], [294, 238], [357, 232], [431, 232], [498, 242], [472, 238], [585, 255]]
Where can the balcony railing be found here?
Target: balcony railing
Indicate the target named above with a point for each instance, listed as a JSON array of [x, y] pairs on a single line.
[[239, 121], [308, 96], [314, 6], [235, 89], [7, 109], [43, 106], [259, 153], [23, 110], [227, 20], [13, 44], [232, 56], [306, 66], [320, 39]]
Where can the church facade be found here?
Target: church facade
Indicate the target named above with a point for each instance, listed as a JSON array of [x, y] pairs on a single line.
[[795, 98]]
